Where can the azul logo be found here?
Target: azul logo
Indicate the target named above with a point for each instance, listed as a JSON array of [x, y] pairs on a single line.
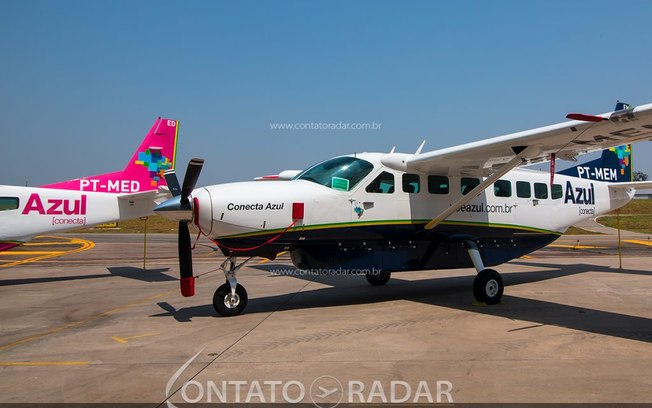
[[579, 195], [55, 206], [359, 210], [155, 162]]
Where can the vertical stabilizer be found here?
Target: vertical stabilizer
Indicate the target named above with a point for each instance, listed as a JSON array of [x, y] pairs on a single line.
[[144, 172], [615, 165]]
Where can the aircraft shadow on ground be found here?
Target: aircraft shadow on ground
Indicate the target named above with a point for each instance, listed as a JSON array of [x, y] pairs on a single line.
[[147, 275], [453, 293], [49, 279]]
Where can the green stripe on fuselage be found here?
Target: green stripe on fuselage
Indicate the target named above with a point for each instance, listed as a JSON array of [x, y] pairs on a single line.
[[388, 222]]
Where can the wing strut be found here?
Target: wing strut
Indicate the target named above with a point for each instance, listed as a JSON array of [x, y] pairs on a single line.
[[517, 160]]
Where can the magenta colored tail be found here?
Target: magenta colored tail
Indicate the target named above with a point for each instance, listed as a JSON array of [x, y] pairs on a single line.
[[144, 172]]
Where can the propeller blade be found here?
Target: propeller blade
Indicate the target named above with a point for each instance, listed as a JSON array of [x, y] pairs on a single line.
[[172, 182], [190, 180], [185, 261]]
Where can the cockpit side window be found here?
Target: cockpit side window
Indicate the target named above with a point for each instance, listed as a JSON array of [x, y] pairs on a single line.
[[383, 184], [340, 173], [9, 203]]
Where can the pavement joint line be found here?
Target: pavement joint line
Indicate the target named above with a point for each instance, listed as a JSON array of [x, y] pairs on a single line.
[[81, 322], [238, 340], [43, 363]]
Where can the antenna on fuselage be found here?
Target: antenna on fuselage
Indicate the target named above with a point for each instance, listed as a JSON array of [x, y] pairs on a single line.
[[420, 148], [392, 151]]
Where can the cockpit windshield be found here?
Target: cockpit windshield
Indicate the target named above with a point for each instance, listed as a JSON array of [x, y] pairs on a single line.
[[340, 173]]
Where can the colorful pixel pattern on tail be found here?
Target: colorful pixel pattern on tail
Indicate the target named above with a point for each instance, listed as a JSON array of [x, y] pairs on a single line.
[[623, 153], [155, 162]]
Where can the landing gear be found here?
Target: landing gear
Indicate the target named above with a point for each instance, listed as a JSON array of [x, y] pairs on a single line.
[[228, 304], [488, 284], [378, 279], [231, 298], [488, 287]]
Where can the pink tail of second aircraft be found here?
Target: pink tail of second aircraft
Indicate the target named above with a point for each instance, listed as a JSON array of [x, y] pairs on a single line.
[[144, 172]]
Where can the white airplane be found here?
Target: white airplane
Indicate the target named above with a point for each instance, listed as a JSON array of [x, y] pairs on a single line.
[[131, 193], [378, 213]]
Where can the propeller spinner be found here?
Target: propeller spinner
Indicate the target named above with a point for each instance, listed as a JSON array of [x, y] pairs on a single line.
[[180, 208]]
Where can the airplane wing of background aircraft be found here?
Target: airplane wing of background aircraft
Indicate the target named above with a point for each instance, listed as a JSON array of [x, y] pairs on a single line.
[[376, 213], [131, 193]]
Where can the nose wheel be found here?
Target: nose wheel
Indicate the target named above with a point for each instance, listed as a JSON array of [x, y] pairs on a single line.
[[230, 304], [231, 298]]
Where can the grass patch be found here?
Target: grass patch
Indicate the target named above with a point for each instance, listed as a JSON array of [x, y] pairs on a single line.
[[579, 231], [636, 216], [636, 207], [634, 223], [155, 223]]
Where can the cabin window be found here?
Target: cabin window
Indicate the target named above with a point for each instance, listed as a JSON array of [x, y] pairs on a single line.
[[468, 184], [557, 191], [8, 203], [383, 184], [438, 184], [411, 183], [523, 189], [503, 188], [340, 173], [540, 190]]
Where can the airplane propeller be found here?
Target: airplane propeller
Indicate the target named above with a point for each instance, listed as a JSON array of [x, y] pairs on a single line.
[[180, 208]]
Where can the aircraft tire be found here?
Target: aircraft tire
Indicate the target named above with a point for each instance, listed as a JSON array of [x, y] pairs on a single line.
[[380, 279], [222, 304], [488, 287]]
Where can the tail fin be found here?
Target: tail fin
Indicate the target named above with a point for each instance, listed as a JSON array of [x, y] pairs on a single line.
[[144, 172], [615, 165]]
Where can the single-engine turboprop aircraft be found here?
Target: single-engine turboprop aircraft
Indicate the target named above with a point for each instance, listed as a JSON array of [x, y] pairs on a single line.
[[131, 193], [463, 206]]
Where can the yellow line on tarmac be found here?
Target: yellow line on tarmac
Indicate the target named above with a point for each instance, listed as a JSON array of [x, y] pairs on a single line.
[[42, 363], [639, 242], [125, 340], [576, 246], [30, 252], [84, 246], [81, 322], [262, 261], [26, 244]]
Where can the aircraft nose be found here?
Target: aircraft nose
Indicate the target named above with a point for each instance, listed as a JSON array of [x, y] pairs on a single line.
[[174, 209]]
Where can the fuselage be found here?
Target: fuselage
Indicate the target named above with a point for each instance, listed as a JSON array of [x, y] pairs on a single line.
[[360, 212], [30, 211]]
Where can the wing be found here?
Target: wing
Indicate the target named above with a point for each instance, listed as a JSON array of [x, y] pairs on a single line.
[[162, 193], [636, 185], [566, 140]]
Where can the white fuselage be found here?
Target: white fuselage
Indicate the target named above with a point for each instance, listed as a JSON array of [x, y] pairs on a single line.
[[43, 210], [259, 207]]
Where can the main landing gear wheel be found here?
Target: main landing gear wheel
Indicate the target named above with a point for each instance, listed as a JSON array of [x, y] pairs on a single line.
[[227, 305], [488, 287], [378, 279]]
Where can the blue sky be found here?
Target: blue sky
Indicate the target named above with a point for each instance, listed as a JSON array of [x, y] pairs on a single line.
[[82, 81]]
